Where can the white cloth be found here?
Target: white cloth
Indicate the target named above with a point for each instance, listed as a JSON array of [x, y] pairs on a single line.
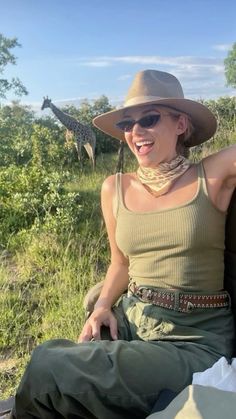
[[200, 402], [221, 375], [212, 395]]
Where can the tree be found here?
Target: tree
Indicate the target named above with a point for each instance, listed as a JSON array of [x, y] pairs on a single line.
[[230, 67], [15, 134], [6, 57]]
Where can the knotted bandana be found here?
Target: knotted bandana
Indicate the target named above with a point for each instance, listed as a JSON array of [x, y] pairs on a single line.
[[159, 180]]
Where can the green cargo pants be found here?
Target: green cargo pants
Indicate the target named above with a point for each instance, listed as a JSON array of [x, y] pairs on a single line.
[[157, 349]]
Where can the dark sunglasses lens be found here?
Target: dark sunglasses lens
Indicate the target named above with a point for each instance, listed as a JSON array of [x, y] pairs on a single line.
[[126, 126], [149, 121], [145, 122]]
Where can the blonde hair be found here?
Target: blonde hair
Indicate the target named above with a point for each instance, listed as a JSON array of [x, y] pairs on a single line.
[[181, 146], [182, 142]]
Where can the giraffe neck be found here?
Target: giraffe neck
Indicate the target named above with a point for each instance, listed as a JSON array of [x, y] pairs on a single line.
[[68, 121]]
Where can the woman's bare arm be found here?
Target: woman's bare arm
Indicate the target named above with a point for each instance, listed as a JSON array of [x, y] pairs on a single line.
[[116, 281], [220, 171]]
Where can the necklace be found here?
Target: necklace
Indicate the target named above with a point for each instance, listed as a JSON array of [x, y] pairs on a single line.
[[159, 180]]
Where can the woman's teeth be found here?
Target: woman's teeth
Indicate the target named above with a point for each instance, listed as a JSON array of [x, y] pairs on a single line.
[[143, 145]]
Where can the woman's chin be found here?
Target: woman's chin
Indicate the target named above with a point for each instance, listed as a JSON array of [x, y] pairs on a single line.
[[147, 162]]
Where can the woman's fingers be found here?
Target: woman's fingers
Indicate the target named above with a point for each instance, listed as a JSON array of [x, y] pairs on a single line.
[[92, 328], [113, 327], [86, 334]]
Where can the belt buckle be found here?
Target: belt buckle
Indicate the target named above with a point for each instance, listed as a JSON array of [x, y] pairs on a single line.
[[149, 295], [190, 307], [145, 294]]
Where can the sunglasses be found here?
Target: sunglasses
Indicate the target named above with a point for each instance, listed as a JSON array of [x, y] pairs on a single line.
[[148, 121]]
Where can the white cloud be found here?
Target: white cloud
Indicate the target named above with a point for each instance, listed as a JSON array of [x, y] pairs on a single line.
[[222, 47], [199, 76], [146, 60], [124, 77], [98, 63], [196, 74]]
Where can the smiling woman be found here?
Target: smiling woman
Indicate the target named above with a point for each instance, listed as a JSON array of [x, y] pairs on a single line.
[[154, 116], [162, 313]]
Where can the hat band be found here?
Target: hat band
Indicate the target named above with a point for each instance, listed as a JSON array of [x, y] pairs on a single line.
[[141, 99], [145, 99]]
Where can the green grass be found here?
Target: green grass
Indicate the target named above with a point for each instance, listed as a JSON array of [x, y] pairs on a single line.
[[46, 269], [42, 294]]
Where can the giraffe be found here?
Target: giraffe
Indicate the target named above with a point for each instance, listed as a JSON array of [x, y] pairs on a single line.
[[84, 134]]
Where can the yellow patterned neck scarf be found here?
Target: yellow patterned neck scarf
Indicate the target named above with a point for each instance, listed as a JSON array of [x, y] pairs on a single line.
[[158, 181]]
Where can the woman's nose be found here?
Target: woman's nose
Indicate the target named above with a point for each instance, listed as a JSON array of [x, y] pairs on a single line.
[[137, 129]]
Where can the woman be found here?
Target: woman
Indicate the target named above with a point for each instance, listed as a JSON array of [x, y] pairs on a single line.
[[166, 230]]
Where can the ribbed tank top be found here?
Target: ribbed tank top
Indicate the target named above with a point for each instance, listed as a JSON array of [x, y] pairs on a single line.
[[180, 247]]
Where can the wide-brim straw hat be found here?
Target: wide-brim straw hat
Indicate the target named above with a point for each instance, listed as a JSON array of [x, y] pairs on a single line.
[[161, 88]]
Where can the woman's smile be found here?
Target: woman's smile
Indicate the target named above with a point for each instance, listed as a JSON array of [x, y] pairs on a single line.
[[155, 144], [144, 146]]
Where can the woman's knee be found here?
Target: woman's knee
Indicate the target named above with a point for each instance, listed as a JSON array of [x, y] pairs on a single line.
[[43, 367]]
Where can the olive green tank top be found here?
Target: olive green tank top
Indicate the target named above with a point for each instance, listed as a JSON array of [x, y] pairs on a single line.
[[180, 247]]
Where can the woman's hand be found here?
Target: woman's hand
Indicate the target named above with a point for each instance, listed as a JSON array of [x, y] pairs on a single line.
[[100, 317]]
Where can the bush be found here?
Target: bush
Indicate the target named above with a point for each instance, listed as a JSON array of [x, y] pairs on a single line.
[[35, 196]]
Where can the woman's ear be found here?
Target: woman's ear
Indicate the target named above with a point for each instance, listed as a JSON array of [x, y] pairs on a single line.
[[181, 124]]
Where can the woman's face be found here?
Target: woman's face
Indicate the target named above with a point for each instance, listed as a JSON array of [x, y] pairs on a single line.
[[153, 143]]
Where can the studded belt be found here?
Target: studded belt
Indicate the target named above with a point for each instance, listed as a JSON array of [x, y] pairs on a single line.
[[178, 300]]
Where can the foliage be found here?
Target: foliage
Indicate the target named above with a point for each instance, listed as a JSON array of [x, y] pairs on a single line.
[[6, 57], [54, 249], [230, 67], [24, 138], [225, 111], [15, 134], [33, 196]]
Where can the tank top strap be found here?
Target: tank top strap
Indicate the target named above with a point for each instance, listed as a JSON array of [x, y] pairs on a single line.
[[118, 199], [118, 194], [202, 179]]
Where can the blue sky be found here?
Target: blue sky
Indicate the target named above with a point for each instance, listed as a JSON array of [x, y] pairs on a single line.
[[76, 49]]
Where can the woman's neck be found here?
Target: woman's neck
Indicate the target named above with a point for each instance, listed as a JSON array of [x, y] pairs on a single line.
[[160, 179]]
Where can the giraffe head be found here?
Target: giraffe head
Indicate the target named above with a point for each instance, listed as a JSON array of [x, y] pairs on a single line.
[[46, 103]]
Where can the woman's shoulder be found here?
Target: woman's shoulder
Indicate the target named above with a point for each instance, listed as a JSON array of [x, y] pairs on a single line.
[[109, 184]]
